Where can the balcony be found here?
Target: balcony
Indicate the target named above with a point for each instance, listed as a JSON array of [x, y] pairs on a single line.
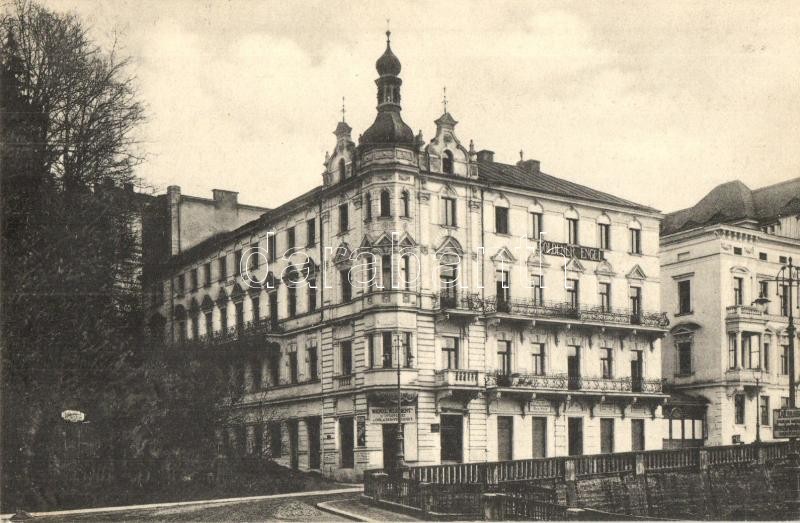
[[565, 382], [459, 378], [387, 377], [562, 312], [466, 305], [283, 391], [343, 382], [746, 377], [249, 331]]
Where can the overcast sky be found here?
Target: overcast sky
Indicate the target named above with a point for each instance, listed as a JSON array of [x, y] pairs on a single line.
[[653, 101]]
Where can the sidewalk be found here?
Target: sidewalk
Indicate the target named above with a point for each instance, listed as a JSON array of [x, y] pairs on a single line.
[[355, 489], [358, 510]]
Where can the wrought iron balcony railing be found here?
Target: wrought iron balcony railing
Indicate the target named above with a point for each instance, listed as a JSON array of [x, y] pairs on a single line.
[[566, 382], [554, 310], [247, 330]]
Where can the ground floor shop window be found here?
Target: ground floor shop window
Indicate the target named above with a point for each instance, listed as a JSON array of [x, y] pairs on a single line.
[[575, 436], [346, 442], [539, 437], [505, 438], [637, 434], [606, 435]]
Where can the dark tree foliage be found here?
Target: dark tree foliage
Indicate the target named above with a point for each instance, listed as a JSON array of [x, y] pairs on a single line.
[[71, 263]]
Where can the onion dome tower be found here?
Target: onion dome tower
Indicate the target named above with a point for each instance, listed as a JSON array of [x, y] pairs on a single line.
[[388, 127]]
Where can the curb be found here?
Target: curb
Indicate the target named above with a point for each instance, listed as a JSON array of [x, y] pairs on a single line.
[[326, 507], [349, 490]]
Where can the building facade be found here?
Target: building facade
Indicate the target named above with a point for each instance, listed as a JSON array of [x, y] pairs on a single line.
[[728, 342], [511, 314]]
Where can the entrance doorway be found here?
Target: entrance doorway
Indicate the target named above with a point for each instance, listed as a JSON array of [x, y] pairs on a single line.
[[294, 451], [505, 438], [389, 446], [346, 442], [575, 435], [539, 437], [637, 434], [452, 438], [313, 429]]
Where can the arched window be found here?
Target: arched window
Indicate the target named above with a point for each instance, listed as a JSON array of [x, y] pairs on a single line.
[[367, 207], [342, 170], [406, 204], [386, 200], [447, 162]]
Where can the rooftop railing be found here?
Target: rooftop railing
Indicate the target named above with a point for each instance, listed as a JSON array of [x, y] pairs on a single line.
[[247, 330]]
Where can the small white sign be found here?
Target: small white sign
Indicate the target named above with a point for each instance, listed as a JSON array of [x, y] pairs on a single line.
[[389, 414], [73, 416]]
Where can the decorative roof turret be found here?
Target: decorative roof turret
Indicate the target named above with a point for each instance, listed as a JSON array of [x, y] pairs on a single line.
[[388, 127]]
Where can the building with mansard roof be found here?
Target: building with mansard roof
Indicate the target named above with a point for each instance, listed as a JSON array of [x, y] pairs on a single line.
[[510, 313], [728, 344]]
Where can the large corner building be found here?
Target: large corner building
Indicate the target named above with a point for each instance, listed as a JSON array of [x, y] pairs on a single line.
[[421, 261], [728, 345]]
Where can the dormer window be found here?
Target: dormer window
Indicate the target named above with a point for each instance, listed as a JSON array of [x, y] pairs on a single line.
[[342, 170], [447, 162]]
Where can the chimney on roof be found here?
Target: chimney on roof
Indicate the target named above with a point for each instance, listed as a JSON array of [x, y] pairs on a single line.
[[485, 155], [531, 166], [223, 197]]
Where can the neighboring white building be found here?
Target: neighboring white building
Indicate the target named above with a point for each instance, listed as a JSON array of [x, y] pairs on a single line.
[[498, 358], [723, 345]]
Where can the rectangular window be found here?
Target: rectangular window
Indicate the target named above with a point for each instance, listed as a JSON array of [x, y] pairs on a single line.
[[275, 439], [346, 358], [223, 317], [785, 360], [344, 221], [636, 241], [606, 435], [209, 323], [272, 247], [388, 351], [763, 289], [503, 289], [684, 358], [767, 351], [239, 310], [501, 220], [782, 259], [313, 373], [207, 275], [732, 349], [536, 225], [607, 362], [762, 256], [783, 291], [604, 233], [180, 283], [293, 367], [193, 280], [450, 352], [367, 207], [573, 291], [636, 302], [291, 300], [275, 368], [504, 356], [572, 231], [765, 410], [347, 285], [312, 295], [738, 291], [256, 306], [290, 238], [684, 297], [738, 406], [386, 203], [784, 402], [449, 212], [405, 272], [637, 435], [537, 358], [386, 272], [538, 290], [253, 256], [737, 251], [237, 262], [605, 296], [311, 232]]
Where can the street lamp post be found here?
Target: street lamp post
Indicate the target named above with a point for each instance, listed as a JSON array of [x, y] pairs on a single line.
[[758, 410], [400, 455]]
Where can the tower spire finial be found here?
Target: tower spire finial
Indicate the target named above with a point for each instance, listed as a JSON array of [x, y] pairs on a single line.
[[388, 32], [444, 98], [343, 109]]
